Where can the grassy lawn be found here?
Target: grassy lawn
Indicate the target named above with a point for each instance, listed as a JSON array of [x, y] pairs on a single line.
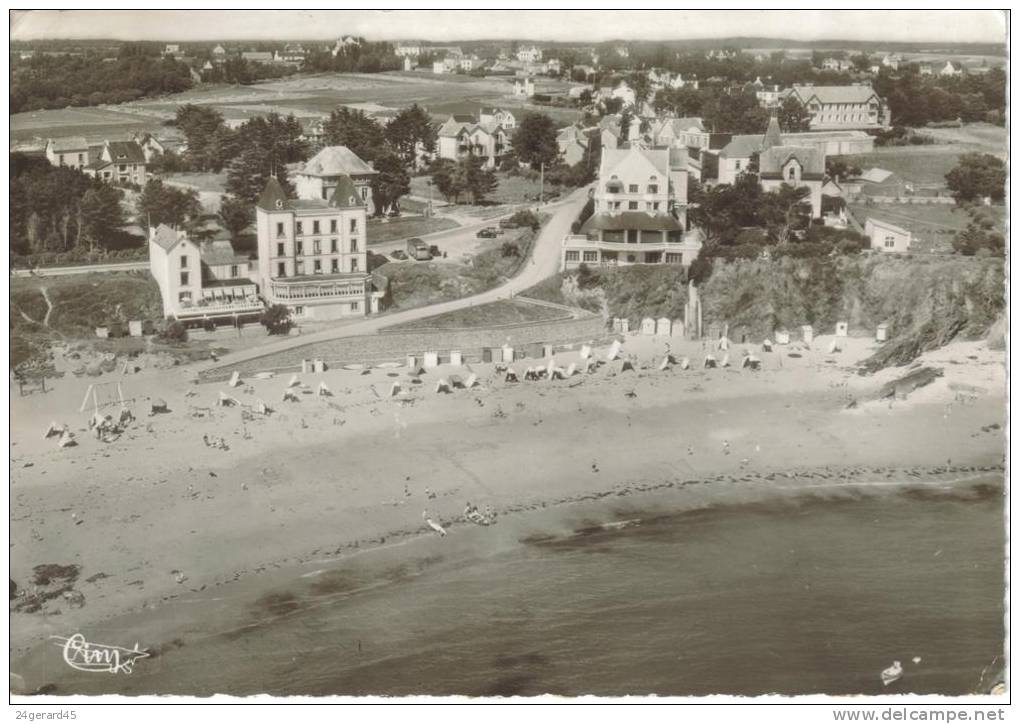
[[922, 165], [933, 226], [485, 315], [511, 190], [406, 227], [214, 182]]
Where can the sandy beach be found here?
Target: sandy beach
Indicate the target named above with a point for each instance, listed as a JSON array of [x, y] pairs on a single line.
[[157, 515]]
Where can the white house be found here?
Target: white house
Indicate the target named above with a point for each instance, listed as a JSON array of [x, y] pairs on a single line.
[[524, 87], [438, 67], [886, 237], [640, 212], [951, 69], [486, 137], [72, 152], [529, 54]]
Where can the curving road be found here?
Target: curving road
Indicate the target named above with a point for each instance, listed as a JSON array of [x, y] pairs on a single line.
[[544, 262]]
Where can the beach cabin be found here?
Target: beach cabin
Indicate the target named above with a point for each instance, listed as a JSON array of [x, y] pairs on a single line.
[[842, 328], [663, 326], [647, 326], [881, 333], [807, 333], [886, 237]]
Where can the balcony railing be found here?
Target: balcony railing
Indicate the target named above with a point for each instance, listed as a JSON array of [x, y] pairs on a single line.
[[319, 290]]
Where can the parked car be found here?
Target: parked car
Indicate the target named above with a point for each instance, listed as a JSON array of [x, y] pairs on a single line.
[[488, 232], [418, 250], [399, 254], [434, 250], [507, 224]]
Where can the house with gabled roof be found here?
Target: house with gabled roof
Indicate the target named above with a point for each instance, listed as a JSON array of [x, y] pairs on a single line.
[[72, 151], [842, 107], [201, 280], [951, 69], [118, 162], [485, 137], [640, 212], [323, 172]]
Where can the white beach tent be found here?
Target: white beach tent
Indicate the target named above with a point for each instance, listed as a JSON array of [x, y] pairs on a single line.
[[726, 360], [262, 408], [685, 364], [766, 346], [395, 389], [294, 381], [572, 369], [235, 379], [226, 400], [471, 381], [709, 361], [834, 347], [324, 390], [289, 396], [585, 351], [614, 351]]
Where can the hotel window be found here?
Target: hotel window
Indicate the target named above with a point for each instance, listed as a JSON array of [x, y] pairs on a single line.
[[354, 226], [184, 297], [299, 311], [354, 246], [355, 306], [354, 265], [653, 188], [792, 173], [279, 250], [674, 258], [317, 267], [736, 165], [632, 205], [315, 227], [233, 271], [364, 193], [279, 228], [316, 247], [335, 266], [299, 228], [184, 262], [61, 159], [573, 256], [591, 256], [300, 248], [890, 242], [281, 269], [184, 279], [632, 188], [81, 158], [299, 268], [332, 226], [332, 246]]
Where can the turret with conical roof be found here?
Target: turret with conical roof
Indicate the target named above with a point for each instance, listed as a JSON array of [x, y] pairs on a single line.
[[773, 137], [345, 196], [273, 196]]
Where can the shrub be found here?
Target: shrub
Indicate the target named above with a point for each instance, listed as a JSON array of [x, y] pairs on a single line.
[[276, 319], [527, 219], [174, 332]]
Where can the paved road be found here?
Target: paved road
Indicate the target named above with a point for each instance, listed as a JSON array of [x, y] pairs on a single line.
[[544, 262], [58, 271]]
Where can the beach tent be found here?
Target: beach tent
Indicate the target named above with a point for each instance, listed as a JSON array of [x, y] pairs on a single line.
[[685, 364], [471, 381], [54, 429], [752, 362], [226, 400], [550, 368], [627, 366], [614, 351], [585, 351], [442, 385], [557, 374], [725, 360], [667, 360], [294, 381], [834, 347], [782, 337], [842, 328], [881, 332], [318, 366], [324, 391], [157, 405], [235, 379], [456, 382], [262, 408], [766, 346], [709, 361], [67, 439], [511, 376], [289, 396], [572, 369], [416, 372], [591, 365], [395, 389]]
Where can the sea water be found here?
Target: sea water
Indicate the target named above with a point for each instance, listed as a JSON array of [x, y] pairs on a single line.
[[792, 597]]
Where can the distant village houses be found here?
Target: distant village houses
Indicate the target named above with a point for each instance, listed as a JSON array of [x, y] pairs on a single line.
[[486, 137], [112, 161]]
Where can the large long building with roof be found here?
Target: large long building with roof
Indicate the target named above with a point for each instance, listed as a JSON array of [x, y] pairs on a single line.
[[640, 214], [312, 251], [842, 107]]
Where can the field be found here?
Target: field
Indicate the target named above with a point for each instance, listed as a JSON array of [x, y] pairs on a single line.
[[511, 190], [921, 165], [304, 96], [405, 227], [933, 226], [485, 315]]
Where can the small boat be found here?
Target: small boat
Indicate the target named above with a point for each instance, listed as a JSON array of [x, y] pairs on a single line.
[[893, 673]]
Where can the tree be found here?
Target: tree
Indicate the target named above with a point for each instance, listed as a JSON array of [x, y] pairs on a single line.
[[975, 238], [782, 211], [160, 204], [793, 116], [389, 184], [236, 215], [358, 132], [100, 214], [205, 133], [977, 175], [612, 106], [534, 141], [480, 181], [276, 319], [411, 129], [839, 167], [248, 175]]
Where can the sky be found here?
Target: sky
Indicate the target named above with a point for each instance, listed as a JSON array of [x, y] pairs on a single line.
[[986, 26]]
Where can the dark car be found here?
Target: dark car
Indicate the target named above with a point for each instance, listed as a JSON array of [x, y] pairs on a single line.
[[399, 254], [434, 250], [487, 233]]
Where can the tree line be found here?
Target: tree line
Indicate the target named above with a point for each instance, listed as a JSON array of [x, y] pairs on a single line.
[[90, 79]]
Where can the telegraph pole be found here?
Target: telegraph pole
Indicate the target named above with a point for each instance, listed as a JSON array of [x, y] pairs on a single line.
[[541, 184]]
